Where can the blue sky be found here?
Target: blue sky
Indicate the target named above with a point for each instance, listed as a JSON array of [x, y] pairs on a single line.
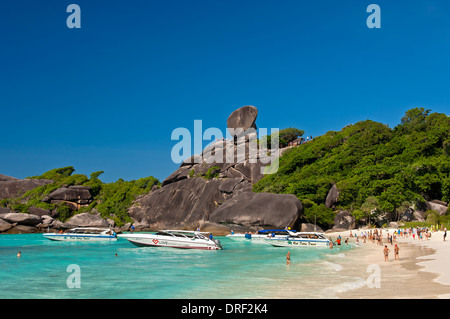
[[108, 96]]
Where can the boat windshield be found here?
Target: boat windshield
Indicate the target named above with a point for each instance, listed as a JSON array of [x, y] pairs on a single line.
[[310, 235], [86, 231], [273, 231], [190, 235]]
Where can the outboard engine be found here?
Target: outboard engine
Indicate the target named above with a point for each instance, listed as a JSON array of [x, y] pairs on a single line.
[[218, 243]]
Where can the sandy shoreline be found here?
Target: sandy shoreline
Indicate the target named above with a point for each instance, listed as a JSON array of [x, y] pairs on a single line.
[[421, 271]]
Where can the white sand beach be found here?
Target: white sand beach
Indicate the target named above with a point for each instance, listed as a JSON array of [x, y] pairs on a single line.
[[421, 271]]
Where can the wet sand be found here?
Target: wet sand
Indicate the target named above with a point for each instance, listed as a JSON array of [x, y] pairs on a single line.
[[420, 273]]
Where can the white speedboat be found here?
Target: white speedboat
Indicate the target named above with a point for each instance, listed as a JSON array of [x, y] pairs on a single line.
[[301, 239], [83, 234], [176, 239], [261, 235]]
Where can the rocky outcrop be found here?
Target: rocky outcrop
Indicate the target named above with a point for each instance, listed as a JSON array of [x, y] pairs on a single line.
[[438, 206], [241, 120], [22, 229], [308, 227], [213, 189], [87, 220], [332, 197], [76, 194], [4, 225], [18, 223], [21, 218], [17, 187], [185, 203], [259, 209], [235, 158], [233, 161], [4, 178], [344, 221], [40, 212]]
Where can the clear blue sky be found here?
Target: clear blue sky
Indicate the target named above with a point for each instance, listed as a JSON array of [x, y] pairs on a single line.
[[107, 96]]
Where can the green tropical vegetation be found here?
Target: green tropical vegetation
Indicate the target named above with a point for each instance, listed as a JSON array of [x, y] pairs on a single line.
[[373, 166], [111, 200]]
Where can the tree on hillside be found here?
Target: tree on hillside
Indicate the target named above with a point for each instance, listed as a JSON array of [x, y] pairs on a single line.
[[285, 136], [288, 135], [370, 205], [415, 116]]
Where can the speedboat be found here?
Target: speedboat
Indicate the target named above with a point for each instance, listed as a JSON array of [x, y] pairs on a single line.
[[301, 239], [83, 234], [176, 239], [261, 235]]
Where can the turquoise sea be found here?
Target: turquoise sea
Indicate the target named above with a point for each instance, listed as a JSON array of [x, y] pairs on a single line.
[[242, 270]]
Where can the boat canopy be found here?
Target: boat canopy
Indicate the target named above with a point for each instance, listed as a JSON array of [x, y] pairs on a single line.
[[183, 233], [264, 231], [87, 230]]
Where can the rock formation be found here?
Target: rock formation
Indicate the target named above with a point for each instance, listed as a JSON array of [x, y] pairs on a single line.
[[241, 120], [87, 220], [332, 197], [344, 221], [214, 188], [259, 209], [12, 187]]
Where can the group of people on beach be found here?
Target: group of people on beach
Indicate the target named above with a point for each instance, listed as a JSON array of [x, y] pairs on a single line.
[[376, 236]]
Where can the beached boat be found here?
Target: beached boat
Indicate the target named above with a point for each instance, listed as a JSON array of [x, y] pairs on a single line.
[[176, 239], [83, 234], [300, 239], [261, 235]]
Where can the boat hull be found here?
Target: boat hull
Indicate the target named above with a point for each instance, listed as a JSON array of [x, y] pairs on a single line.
[[298, 243], [153, 241]]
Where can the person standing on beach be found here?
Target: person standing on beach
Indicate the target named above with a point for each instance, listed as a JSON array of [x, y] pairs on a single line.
[[396, 255], [445, 233], [386, 253], [288, 258]]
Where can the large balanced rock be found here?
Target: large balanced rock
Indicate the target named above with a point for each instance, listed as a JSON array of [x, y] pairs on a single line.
[[234, 158], [17, 187], [242, 119], [263, 209], [204, 185]]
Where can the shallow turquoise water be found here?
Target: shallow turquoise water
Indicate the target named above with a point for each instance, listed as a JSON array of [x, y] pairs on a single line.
[[242, 270]]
